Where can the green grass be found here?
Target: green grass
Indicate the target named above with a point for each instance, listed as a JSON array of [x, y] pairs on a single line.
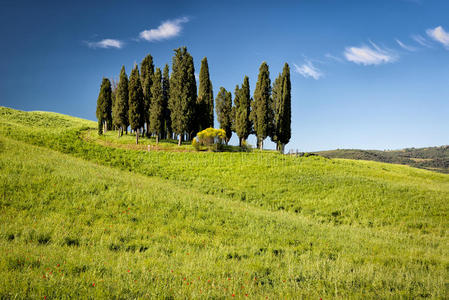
[[303, 227]]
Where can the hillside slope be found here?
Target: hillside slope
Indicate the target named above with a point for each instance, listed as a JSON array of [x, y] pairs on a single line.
[[430, 158], [139, 224]]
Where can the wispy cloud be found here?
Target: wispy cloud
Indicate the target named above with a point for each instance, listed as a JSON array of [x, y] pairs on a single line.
[[439, 35], [166, 30], [333, 57], [308, 70], [406, 47], [421, 40], [369, 55], [106, 43]]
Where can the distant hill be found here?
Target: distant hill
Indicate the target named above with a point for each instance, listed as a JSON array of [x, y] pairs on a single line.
[[431, 158]]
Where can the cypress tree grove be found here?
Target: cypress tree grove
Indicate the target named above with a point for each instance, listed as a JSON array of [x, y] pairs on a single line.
[[205, 102], [242, 109], [146, 79], [182, 93], [156, 111], [262, 107], [167, 131], [136, 104], [223, 107], [104, 105], [120, 110]]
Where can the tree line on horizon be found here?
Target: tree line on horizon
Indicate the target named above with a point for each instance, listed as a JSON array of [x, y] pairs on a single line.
[[168, 106]]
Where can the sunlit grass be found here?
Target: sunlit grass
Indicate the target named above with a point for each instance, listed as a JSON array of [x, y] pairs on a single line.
[[256, 223]]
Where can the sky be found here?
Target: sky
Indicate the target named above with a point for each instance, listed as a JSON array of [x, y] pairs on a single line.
[[370, 74]]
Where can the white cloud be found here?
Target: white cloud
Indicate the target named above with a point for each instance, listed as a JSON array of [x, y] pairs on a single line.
[[166, 30], [308, 70], [106, 43], [366, 55], [439, 35], [421, 40], [333, 57], [406, 47]]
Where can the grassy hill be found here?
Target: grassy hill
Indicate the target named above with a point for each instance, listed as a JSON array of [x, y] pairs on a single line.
[[84, 216], [431, 158]]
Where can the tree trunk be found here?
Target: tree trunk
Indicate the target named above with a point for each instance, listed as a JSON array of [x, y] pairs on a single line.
[[261, 145], [137, 136], [119, 131], [179, 141], [157, 139], [240, 142]]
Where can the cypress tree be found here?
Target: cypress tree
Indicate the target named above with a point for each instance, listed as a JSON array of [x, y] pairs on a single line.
[[167, 131], [156, 111], [242, 109], [282, 108], [205, 103], [276, 95], [121, 108], [136, 104], [182, 93], [104, 105], [146, 79], [113, 96], [262, 100], [223, 107]]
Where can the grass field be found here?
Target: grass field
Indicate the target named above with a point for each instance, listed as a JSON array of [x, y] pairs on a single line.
[[84, 216]]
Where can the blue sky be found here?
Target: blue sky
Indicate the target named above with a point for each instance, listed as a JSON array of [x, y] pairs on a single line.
[[365, 74]]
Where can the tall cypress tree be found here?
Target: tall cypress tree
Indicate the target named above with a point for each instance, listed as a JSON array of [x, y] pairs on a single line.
[[205, 102], [223, 107], [167, 131], [276, 95], [120, 112], [242, 109], [146, 79], [262, 96], [136, 102], [104, 105], [156, 111], [182, 93], [282, 108]]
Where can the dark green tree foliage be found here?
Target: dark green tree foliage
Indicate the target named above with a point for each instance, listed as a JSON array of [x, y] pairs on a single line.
[[156, 111], [120, 111], [113, 96], [104, 104], [223, 107], [182, 100], [136, 102], [241, 111], [262, 107], [146, 79], [282, 109], [205, 102], [167, 131]]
